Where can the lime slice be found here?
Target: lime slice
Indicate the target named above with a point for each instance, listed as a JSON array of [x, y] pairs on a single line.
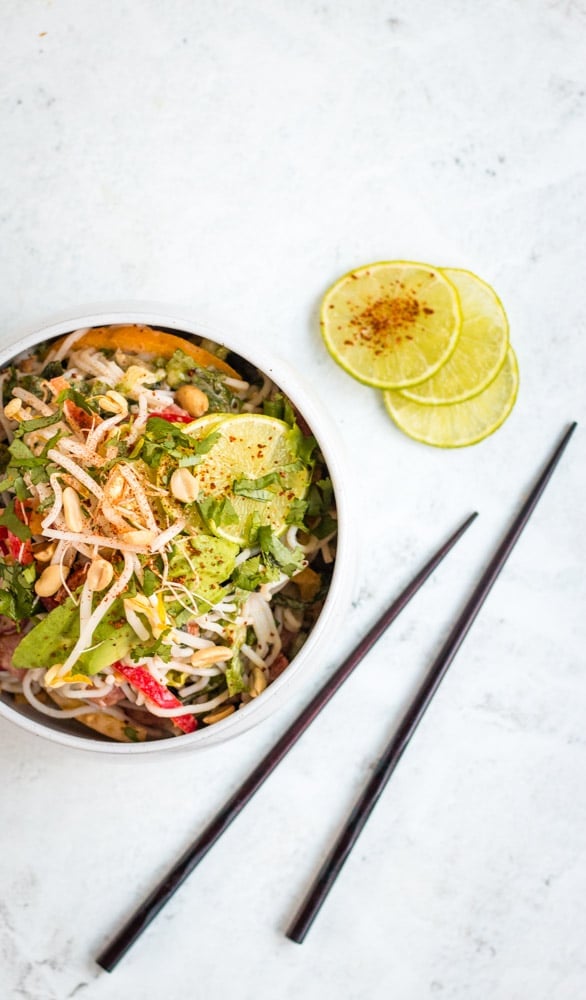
[[454, 425], [249, 448], [203, 426], [480, 350], [391, 324]]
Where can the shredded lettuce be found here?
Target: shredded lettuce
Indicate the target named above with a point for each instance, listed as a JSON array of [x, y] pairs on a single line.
[[275, 552]]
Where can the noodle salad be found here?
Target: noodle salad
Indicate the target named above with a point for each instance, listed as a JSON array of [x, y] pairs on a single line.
[[167, 532]]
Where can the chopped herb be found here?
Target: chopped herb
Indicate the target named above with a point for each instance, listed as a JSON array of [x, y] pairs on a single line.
[[12, 523], [252, 573], [288, 560], [36, 424], [20, 489], [22, 456], [255, 489], [151, 582], [18, 599], [296, 513], [76, 397], [53, 370], [156, 647], [217, 512]]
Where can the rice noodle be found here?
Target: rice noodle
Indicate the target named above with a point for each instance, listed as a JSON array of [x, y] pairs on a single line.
[[90, 363], [168, 534], [34, 401], [170, 713], [64, 349], [85, 605], [59, 713], [85, 635], [191, 689], [102, 429], [135, 623], [67, 463], [252, 656], [140, 419], [140, 496], [55, 510], [103, 541], [81, 451]]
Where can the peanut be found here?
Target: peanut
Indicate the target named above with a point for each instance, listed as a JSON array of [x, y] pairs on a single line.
[[100, 574], [12, 409], [72, 509], [184, 486], [45, 554], [219, 713], [113, 402], [140, 536], [51, 580], [258, 682], [192, 399], [211, 654]]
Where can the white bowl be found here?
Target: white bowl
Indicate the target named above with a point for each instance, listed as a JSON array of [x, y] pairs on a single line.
[[338, 595]]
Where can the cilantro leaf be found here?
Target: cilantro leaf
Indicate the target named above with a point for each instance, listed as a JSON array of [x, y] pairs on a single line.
[[12, 523], [296, 513], [18, 599], [302, 445]]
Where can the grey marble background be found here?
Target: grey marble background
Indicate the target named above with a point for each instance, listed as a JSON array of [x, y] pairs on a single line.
[[237, 157]]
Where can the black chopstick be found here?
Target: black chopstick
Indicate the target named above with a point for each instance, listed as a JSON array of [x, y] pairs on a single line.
[[399, 742], [146, 912]]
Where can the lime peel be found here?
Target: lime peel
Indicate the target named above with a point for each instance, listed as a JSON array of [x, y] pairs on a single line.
[[481, 348], [456, 425]]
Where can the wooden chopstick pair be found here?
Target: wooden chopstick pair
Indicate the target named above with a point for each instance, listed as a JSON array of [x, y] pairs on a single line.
[[112, 954]]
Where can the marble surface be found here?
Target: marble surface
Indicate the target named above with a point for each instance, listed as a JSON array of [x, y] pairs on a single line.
[[237, 157]]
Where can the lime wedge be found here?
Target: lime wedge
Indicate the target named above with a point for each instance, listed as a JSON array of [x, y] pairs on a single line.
[[480, 350], [253, 454], [391, 324], [454, 425]]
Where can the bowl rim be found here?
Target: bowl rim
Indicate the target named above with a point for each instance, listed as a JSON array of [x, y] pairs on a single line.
[[330, 444]]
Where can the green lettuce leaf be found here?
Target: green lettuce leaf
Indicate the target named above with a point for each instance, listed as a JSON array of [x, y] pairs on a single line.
[[52, 640]]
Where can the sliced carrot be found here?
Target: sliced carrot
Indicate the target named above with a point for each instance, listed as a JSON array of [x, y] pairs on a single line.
[[135, 338]]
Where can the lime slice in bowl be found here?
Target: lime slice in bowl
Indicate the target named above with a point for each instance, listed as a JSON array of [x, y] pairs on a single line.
[[391, 324], [250, 475], [454, 425], [481, 348]]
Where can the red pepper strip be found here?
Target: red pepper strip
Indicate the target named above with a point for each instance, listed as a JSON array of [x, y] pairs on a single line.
[[173, 418], [142, 680], [21, 552]]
